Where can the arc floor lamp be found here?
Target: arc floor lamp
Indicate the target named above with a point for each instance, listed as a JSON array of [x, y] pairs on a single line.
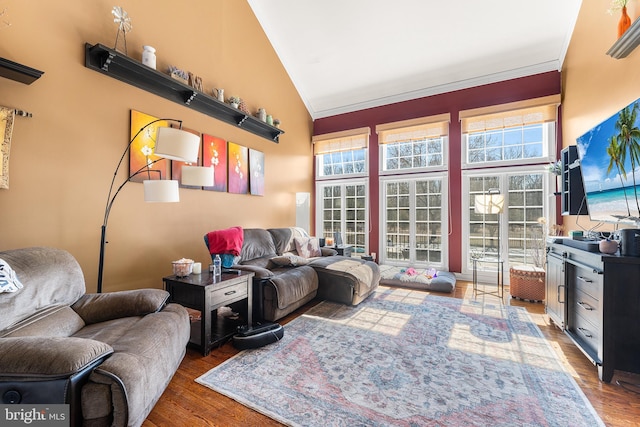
[[173, 144], [491, 203]]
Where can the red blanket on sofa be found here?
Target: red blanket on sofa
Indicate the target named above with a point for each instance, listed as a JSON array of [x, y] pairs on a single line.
[[227, 241]]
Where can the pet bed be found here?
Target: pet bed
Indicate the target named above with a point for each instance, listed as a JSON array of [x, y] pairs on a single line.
[[426, 278]]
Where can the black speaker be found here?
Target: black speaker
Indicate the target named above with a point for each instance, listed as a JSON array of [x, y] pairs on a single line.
[[630, 242]]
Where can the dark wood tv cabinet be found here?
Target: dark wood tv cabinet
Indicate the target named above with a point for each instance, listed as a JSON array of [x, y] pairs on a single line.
[[599, 298]]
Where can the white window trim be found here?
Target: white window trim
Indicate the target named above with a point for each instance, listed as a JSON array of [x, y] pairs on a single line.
[[320, 205], [548, 155], [444, 176], [549, 211]]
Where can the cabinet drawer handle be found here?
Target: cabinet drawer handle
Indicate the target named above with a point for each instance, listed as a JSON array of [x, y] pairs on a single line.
[[585, 306], [230, 293], [585, 280], [585, 332]]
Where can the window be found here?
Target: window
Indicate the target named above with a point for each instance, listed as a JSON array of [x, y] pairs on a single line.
[[341, 154], [342, 208], [413, 230], [505, 149], [510, 134], [523, 142], [416, 144], [519, 228]]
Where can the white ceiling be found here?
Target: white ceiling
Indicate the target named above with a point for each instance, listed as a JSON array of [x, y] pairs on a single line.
[[347, 55]]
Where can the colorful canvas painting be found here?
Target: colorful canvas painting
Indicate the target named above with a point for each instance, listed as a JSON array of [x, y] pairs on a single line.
[[238, 169], [142, 159], [214, 154], [256, 172], [176, 165]]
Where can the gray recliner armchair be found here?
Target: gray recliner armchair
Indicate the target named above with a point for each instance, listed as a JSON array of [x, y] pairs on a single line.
[[109, 356]]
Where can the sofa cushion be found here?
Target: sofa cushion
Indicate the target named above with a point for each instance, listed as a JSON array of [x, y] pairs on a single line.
[[24, 357], [148, 351], [308, 247], [257, 243], [52, 322], [289, 260], [346, 280], [94, 308], [50, 278], [284, 238]]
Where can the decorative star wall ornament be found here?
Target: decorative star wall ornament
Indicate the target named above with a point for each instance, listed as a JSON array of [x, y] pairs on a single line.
[[121, 17]]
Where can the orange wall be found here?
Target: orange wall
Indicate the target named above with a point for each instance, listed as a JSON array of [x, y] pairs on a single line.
[[63, 158], [595, 86]]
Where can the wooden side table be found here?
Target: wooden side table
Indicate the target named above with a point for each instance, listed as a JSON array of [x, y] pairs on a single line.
[[343, 250], [201, 292]]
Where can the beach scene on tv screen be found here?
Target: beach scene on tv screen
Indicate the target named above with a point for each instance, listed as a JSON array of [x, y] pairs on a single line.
[[610, 166]]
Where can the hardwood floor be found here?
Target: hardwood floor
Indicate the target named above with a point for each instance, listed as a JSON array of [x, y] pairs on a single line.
[[187, 403]]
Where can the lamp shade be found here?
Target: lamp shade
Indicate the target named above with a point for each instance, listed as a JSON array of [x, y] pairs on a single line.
[[177, 144], [198, 176], [489, 203], [161, 190]]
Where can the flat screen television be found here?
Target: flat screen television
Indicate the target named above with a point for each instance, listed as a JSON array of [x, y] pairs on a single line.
[[610, 165]]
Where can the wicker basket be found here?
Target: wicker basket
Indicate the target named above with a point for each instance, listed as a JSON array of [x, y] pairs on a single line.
[[527, 282]]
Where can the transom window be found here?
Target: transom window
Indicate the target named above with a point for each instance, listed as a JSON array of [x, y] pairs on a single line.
[[413, 145], [341, 154], [413, 154], [523, 142], [342, 163], [512, 134]]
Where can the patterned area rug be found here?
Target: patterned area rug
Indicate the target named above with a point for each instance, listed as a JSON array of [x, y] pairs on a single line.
[[406, 358]]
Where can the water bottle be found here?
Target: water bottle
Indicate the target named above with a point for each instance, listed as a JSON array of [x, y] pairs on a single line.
[[217, 266]]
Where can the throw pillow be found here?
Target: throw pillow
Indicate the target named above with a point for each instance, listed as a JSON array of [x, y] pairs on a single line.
[[289, 260], [308, 247], [8, 280]]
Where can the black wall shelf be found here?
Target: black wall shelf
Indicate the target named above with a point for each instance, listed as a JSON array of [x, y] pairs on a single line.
[[627, 42], [114, 64], [18, 72]]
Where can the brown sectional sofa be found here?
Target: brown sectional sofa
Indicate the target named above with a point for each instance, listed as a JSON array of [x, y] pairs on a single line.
[[284, 281], [109, 356]]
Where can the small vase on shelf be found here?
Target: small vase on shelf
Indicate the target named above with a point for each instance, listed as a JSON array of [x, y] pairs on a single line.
[[624, 23]]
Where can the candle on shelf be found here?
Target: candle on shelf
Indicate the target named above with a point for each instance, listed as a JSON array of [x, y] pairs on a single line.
[[329, 241], [197, 268]]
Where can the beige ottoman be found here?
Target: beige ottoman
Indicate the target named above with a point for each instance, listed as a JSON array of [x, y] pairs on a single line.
[[527, 282]]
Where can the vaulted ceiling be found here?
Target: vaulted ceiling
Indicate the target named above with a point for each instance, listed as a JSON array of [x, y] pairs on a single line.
[[348, 55]]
